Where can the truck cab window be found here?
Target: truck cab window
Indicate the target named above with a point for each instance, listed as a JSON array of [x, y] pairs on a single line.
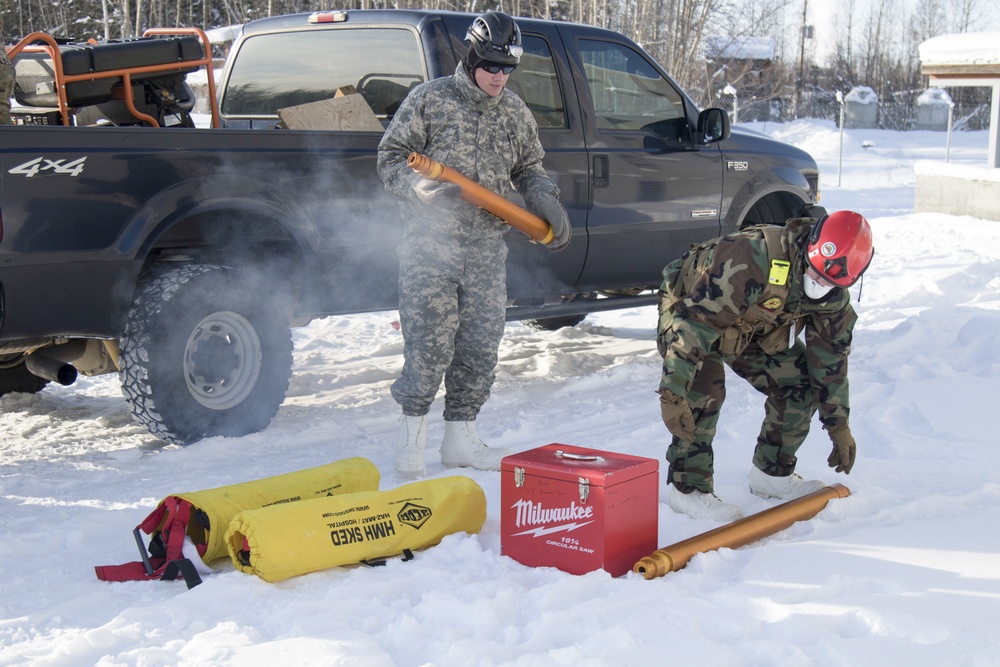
[[536, 83], [278, 70], [629, 93]]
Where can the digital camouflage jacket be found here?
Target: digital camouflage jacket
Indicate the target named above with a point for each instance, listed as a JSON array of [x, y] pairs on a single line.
[[491, 140], [717, 300]]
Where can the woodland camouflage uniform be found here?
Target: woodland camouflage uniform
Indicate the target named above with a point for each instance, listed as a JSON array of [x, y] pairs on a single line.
[[452, 283], [717, 308]]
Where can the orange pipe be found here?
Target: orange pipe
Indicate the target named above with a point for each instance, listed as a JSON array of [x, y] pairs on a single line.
[[738, 533], [475, 194], [130, 102]]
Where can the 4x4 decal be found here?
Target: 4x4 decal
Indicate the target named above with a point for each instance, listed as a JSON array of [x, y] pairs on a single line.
[[39, 164]]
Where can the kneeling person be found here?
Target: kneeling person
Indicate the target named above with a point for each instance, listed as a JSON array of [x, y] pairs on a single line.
[[743, 300]]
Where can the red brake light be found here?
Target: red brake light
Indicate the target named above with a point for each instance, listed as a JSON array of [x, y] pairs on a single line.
[[327, 17]]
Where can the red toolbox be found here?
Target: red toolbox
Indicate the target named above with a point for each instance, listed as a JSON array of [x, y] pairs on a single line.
[[578, 509]]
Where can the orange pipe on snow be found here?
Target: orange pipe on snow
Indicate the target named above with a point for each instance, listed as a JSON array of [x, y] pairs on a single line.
[[475, 194], [738, 533]]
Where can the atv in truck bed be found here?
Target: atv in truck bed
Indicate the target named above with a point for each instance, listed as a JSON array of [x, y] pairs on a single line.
[[83, 84]]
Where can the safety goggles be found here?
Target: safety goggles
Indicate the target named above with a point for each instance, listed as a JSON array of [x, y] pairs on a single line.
[[493, 68], [819, 277]]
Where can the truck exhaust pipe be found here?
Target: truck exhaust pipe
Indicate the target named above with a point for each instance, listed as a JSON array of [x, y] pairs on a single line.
[[50, 368], [475, 194], [738, 533]]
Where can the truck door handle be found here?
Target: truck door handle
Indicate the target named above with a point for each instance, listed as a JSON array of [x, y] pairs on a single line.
[[601, 176]]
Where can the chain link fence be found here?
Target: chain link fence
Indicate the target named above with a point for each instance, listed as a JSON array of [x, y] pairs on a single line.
[[889, 115], [869, 151]]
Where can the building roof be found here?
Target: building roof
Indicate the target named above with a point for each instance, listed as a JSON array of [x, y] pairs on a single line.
[[970, 59], [967, 59]]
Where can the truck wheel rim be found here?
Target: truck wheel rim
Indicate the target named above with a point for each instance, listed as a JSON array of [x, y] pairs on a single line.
[[222, 360]]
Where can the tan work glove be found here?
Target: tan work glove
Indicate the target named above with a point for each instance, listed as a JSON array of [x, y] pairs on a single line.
[[844, 449], [677, 415]]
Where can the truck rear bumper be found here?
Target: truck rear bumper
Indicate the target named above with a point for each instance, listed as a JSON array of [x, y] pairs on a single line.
[[79, 300]]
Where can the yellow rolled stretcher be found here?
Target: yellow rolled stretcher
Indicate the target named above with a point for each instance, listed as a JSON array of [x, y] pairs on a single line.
[[283, 541], [204, 516]]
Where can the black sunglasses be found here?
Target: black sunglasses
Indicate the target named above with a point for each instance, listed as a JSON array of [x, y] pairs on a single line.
[[496, 69]]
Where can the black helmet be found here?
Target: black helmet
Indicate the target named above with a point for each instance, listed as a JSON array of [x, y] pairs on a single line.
[[493, 37]]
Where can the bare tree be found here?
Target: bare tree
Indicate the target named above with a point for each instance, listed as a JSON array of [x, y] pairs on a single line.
[[966, 15], [930, 20], [683, 25], [875, 45]]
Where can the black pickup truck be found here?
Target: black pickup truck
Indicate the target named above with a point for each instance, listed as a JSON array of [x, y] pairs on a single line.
[[179, 256]]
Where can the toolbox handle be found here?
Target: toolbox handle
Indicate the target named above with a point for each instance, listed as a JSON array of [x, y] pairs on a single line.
[[578, 457]]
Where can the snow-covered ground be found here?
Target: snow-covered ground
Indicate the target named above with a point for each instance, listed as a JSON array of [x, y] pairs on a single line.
[[905, 571]]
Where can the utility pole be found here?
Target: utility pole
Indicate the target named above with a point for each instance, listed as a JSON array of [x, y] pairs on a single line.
[[802, 60]]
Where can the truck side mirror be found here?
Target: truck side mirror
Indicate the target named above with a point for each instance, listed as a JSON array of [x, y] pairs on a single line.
[[713, 125]]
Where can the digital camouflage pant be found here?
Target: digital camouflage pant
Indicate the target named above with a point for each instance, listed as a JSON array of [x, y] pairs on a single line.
[[452, 305], [788, 410]]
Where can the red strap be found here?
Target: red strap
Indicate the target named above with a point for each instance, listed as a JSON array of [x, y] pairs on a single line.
[[155, 519], [178, 515], [169, 519], [137, 572], [128, 572]]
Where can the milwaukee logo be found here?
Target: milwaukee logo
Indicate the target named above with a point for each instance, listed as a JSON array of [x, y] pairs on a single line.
[[535, 514]]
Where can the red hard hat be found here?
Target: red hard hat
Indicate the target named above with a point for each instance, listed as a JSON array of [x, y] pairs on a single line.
[[840, 247]]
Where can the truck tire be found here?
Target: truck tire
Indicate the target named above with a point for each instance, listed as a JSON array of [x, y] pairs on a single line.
[[556, 323], [15, 376], [206, 352], [563, 321], [772, 210]]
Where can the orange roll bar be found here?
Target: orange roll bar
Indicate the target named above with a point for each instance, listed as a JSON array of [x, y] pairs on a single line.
[[51, 47], [206, 62], [475, 194], [738, 533]]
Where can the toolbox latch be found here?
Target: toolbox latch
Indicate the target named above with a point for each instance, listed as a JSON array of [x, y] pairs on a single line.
[[584, 488], [518, 477]]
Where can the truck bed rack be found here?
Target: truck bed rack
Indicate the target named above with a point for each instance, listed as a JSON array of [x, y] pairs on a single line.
[[70, 77]]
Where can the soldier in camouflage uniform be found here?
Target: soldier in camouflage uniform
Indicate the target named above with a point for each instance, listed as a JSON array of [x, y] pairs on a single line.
[[452, 284], [6, 84], [772, 304]]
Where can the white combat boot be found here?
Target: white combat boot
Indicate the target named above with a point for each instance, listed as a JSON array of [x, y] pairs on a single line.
[[701, 505], [410, 443], [462, 448], [784, 488]]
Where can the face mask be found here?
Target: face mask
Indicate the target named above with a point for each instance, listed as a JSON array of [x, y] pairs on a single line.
[[813, 289]]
